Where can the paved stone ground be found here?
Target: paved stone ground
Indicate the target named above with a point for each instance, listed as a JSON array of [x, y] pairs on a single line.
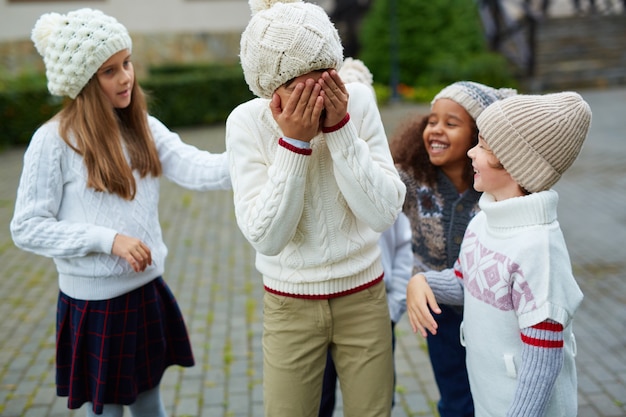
[[210, 269]]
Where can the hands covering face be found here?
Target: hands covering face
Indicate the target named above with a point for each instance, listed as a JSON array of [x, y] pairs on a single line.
[[309, 102]]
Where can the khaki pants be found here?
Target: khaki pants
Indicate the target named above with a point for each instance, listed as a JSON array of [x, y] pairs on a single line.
[[296, 336]]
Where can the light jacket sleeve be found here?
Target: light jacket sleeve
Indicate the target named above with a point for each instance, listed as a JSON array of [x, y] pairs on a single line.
[[395, 244]]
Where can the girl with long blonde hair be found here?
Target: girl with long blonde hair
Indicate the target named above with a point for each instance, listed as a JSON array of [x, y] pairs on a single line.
[[88, 198]]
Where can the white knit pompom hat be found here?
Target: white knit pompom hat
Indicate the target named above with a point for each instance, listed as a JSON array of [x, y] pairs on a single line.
[[286, 39], [75, 45], [473, 97], [536, 137], [355, 71]]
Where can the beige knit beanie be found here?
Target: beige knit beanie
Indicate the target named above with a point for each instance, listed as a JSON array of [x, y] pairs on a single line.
[[536, 137], [286, 39], [75, 45], [473, 97]]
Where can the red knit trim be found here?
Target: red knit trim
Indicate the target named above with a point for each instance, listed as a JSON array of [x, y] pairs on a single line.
[[550, 326], [458, 273], [326, 296], [295, 149], [338, 126], [542, 342]]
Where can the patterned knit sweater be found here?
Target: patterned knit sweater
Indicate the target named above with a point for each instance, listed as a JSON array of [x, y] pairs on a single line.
[[438, 216], [515, 280], [314, 215], [56, 215]]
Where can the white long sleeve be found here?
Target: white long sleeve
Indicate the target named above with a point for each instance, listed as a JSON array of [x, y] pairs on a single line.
[[57, 216]]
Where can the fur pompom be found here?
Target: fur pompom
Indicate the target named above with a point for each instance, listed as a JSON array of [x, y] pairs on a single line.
[[46, 25], [354, 70], [259, 5]]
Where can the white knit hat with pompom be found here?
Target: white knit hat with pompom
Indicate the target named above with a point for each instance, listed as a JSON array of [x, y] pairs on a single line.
[[285, 39], [355, 71], [75, 45]]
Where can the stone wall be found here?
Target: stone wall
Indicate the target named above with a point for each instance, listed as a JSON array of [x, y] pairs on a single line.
[[588, 51], [148, 49]]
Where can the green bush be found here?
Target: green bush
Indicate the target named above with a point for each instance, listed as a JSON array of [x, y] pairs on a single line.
[[437, 43], [178, 95], [199, 94], [25, 104]]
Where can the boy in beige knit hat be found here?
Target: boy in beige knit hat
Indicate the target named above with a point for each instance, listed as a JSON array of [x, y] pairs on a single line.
[[513, 275], [314, 186]]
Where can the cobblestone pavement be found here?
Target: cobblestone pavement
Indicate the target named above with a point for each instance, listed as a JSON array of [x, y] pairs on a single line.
[[210, 269]]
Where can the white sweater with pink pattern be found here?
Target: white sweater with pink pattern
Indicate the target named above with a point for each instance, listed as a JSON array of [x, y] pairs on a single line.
[[513, 274]]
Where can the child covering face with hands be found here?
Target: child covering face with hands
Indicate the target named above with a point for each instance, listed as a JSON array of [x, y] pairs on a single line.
[[314, 186]]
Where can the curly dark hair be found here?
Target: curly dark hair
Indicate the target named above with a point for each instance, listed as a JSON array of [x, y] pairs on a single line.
[[410, 154]]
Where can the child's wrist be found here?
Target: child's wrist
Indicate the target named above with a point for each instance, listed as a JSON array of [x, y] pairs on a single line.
[[333, 128]]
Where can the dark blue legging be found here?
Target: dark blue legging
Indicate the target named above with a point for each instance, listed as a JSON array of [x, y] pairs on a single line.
[[447, 357]]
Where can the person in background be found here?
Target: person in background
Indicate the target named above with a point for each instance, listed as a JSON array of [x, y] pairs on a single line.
[[431, 155], [513, 274], [314, 187], [397, 257], [88, 198]]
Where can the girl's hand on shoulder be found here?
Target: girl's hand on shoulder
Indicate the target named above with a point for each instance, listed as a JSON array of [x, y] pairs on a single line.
[[133, 250], [299, 117], [420, 299], [335, 98]]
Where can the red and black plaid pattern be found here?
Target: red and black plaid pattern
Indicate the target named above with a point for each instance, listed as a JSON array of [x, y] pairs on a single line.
[[110, 351]]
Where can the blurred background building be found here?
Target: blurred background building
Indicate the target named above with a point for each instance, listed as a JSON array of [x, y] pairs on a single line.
[[552, 44]]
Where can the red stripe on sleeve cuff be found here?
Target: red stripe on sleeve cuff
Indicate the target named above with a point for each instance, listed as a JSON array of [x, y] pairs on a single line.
[[338, 126], [295, 149], [541, 342]]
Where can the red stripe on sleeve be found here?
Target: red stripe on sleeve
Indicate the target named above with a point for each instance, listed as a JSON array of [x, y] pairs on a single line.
[[338, 126], [550, 326], [542, 342], [295, 149]]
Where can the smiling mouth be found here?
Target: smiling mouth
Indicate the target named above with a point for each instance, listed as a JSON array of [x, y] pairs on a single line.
[[438, 146]]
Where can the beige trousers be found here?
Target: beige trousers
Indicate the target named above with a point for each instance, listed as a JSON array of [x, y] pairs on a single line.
[[296, 336]]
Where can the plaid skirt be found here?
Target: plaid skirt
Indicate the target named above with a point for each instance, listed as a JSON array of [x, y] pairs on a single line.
[[110, 351]]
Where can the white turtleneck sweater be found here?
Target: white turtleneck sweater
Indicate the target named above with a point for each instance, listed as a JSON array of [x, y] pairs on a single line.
[[513, 276], [314, 215], [58, 216]]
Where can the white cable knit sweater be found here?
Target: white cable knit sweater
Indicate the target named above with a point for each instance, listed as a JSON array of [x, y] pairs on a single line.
[[314, 217], [56, 215]]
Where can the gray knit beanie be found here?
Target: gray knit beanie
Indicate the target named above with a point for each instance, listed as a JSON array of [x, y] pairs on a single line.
[[536, 137], [473, 97], [286, 39], [75, 45]]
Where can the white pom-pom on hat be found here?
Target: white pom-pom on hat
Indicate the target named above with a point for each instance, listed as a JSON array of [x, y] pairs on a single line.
[[258, 5], [45, 26], [355, 71]]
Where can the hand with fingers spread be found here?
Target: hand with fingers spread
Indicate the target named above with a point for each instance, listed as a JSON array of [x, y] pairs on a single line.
[[335, 97], [136, 253], [297, 108], [419, 297]]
